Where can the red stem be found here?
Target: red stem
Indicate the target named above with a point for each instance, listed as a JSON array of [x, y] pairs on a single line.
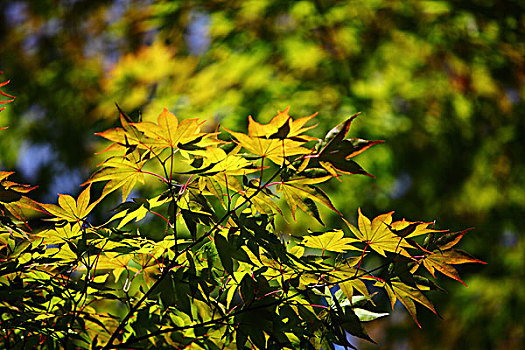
[[159, 215]]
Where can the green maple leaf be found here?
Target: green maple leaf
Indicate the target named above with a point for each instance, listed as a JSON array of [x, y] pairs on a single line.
[[129, 211], [282, 126], [126, 137], [215, 160], [273, 149], [116, 263], [61, 233], [262, 203], [383, 235]]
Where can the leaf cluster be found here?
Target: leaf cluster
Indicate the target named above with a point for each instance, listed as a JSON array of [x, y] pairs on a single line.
[[194, 258]]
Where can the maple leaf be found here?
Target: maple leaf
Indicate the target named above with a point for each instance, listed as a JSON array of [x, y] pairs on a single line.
[[282, 126], [333, 241], [70, 209], [300, 192], [12, 197], [377, 235], [216, 160], [406, 295], [443, 257], [334, 152], [125, 137], [275, 141], [61, 233], [117, 263], [120, 172], [381, 234], [346, 269], [168, 132], [407, 229], [273, 149], [349, 286], [129, 211], [262, 203]]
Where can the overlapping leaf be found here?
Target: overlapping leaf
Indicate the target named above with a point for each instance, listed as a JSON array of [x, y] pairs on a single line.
[[215, 160], [334, 152], [263, 203], [383, 235], [282, 126], [120, 172], [168, 132], [12, 197], [443, 257], [406, 295], [275, 141], [300, 193], [351, 278], [273, 149], [377, 235], [126, 137], [333, 241], [61, 233], [408, 229], [116, 263], [70, 209]]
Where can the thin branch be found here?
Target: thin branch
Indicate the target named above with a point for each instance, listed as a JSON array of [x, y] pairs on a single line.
[[220, 320], [179, 253]]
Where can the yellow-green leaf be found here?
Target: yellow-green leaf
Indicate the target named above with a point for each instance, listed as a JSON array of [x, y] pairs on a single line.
[[70, 209], [169, 132], [377, 234], [333, 241], [120, 172]]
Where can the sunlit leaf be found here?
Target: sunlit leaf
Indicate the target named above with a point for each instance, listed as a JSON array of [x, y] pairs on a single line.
[[377, 235], [282, 126], [273, 149], [276, 140], [367, 316], [168, 132], [333, 241], [116, 263], [70, 209], [120, 172]]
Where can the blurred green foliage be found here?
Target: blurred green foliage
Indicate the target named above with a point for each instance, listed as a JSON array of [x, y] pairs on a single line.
[[442, 82]]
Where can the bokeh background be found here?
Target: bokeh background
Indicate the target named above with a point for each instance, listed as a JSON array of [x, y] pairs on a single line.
[[442, 82]]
